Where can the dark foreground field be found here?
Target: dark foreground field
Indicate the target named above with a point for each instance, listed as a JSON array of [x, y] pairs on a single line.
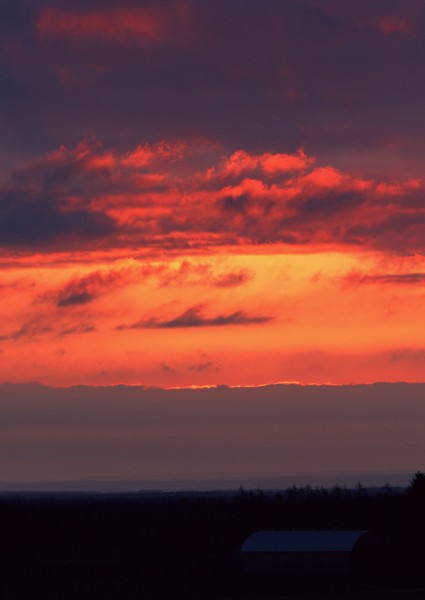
[[187, 545]]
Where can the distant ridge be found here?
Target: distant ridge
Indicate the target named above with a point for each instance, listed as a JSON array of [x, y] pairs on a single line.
[[327, 480]]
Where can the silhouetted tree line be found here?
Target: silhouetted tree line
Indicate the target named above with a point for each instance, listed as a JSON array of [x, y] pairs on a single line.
[[200, 534]]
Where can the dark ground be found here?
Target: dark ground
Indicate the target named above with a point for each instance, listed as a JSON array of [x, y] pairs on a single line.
[[187, 545]]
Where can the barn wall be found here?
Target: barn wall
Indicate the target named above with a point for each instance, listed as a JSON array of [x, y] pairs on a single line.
[[297, 562]]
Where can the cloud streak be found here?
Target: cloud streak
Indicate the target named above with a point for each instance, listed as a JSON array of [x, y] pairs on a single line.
[[85, 289], [27, 331], [193, 317], [356, 277], [33, 331]]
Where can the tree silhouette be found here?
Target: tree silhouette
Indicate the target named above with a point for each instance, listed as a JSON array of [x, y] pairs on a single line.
[[416, 488]]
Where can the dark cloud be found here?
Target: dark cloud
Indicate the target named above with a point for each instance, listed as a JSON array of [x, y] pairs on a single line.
[[341, 78], [396, 230], [86, 288], [77, 329], [357, 277], [28, 220], [201, 366], [72, 297], [27, 331], [33, 330], [193, 317], [235, 203], [322, 204], [408, 355], [233, 279], [37, 208]]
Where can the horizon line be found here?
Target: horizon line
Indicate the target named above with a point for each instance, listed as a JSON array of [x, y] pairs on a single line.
[[210, 386]]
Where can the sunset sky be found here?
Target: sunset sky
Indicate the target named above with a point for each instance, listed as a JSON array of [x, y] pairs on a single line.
[[198, 193]]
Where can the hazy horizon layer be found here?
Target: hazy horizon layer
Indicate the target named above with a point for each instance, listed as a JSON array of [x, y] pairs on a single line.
[[226, 436]]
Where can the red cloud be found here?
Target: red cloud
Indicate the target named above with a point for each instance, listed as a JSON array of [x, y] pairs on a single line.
[[147, 24], [242, 163], [91, 156], [146, 154], [392, 24], [153, 197], [363, 15]]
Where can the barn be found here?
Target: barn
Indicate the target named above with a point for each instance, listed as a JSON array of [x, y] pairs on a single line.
[[324, 552]]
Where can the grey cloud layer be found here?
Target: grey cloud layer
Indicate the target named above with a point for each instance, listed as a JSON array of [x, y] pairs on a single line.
[[135, 433]]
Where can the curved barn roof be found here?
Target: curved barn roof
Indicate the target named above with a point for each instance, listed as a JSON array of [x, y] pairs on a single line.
[[302, 541]]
